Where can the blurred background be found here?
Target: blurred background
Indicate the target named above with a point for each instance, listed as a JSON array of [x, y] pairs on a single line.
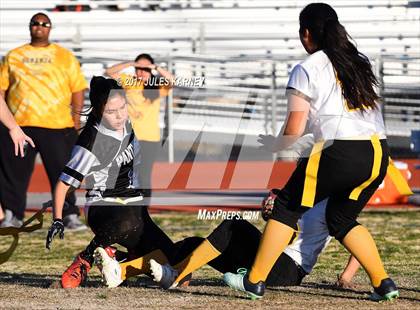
[[244, 51]]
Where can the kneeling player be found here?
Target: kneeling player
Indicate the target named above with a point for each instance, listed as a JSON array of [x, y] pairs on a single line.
[[105, 155]]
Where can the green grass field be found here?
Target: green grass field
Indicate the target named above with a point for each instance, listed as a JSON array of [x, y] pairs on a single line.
[[26, 279]]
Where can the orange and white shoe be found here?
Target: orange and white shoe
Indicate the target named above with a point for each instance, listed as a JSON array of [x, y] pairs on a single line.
[[76, 273]]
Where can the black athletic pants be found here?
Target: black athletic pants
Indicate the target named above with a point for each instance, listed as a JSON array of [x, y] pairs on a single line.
[[54, 146], [129, 226], [237, 241], [347, 172]]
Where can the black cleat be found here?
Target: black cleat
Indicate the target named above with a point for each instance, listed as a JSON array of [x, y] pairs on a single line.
[[239, 281], [386, 291]]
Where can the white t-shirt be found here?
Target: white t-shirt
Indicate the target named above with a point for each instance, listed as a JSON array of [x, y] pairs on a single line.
[[329, 116], [312, 239]]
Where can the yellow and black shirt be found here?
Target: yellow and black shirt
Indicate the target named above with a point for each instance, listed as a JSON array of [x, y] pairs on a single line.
[[143, 112], [39, 82]]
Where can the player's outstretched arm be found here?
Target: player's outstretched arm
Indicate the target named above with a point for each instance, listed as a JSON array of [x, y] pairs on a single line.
[[345, 278], [293, 128]]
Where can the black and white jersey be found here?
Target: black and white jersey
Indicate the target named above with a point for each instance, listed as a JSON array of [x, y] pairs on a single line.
[[106, 160]]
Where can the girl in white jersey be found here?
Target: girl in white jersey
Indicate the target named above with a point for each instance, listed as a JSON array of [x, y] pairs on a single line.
[[332, 93]]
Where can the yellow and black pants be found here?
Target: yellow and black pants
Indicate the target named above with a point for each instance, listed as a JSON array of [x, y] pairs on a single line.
[[347, 172]]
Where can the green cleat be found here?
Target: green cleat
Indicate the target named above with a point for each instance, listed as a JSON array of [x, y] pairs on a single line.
[[387, 291], [239, 282]]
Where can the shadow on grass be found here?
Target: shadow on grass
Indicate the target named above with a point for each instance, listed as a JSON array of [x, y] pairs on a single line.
[[320, 286], [195, 283], [207, 294], [145, 281], [27, 279], [41, 280], [51, 281], [409, 289], [331, 286], [243, 297], [140, 281]]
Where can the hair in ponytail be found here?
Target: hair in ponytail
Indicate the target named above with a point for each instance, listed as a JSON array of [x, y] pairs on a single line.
[[353, 68]]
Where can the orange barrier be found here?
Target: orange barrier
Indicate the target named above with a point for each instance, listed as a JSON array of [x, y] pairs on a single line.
[[387, 193], [217, 175]]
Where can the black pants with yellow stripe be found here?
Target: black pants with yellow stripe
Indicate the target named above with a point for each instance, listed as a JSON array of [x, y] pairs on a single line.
[[347, 172]]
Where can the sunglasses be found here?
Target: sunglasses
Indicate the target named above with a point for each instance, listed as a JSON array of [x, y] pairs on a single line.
[[42, 24], [144, 69]]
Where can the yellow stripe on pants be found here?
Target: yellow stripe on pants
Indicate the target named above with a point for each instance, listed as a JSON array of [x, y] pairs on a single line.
[[377, 158], [311, 174]]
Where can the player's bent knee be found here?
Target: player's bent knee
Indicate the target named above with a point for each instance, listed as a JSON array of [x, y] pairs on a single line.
[[339, 229], [220, 237], [285, 216]]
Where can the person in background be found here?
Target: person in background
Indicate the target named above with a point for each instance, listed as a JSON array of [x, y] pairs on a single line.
[[16, 134], [43, 86], [144, 93]]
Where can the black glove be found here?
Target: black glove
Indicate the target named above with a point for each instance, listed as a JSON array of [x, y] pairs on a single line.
[[57, 227]]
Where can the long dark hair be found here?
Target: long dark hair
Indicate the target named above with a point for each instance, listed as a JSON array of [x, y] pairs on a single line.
[[101, 89], [145, 56], [353, 68], [151, 87]]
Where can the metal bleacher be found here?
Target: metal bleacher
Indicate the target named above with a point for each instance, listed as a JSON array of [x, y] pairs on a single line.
[[244, 50]]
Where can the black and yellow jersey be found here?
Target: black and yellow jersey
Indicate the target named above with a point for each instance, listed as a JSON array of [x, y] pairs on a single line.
[[39, 82]]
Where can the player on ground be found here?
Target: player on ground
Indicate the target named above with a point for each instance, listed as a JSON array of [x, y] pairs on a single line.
[[333, 90], [232, 246], [105, 155]]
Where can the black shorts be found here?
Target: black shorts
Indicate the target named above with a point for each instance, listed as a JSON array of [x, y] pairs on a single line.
[[347, 172]]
